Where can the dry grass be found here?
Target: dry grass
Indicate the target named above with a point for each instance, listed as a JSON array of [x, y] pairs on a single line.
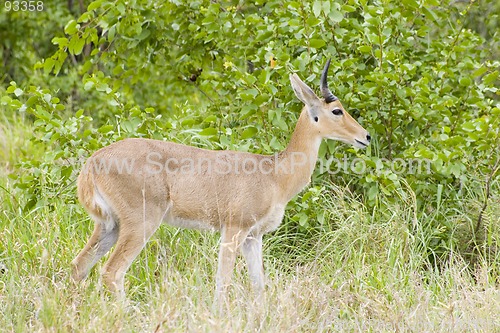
[[299, 302], [364, 276]]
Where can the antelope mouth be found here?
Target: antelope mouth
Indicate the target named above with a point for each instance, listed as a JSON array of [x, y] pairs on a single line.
[[361, 144]]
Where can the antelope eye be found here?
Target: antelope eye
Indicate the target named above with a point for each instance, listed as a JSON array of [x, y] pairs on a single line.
[[337, 112]]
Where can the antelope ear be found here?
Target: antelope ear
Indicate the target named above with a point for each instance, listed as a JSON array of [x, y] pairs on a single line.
[[306, 95]]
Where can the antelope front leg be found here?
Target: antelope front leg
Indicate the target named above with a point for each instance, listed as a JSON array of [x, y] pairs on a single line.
[[252, 251], [231, 238]]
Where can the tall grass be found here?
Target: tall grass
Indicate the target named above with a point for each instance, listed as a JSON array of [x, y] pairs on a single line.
[[364, 269]]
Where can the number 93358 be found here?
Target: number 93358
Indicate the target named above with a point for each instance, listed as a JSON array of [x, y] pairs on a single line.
[[23, 6]]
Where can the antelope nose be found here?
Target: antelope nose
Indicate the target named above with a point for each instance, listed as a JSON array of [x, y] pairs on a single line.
[[368, 137]]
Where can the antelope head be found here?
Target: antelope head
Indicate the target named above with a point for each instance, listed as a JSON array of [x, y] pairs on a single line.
[[328, 117]]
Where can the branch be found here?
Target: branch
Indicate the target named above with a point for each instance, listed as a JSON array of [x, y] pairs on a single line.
[[485, 204]]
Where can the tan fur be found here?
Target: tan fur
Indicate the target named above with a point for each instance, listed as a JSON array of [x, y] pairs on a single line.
[[129, 206]]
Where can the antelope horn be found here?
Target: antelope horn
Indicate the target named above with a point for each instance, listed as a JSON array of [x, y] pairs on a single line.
[[327, 94]]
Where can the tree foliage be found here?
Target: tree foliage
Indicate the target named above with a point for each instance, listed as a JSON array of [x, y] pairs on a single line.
[[421, 75]]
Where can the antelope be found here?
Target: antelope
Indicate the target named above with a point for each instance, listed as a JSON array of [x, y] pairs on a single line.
[[242, 195]]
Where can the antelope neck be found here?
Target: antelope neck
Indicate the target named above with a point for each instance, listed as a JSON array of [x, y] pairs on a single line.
[[298, 160]]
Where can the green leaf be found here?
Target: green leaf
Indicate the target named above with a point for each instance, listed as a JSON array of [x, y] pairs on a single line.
[[94, 5], [480, 71], [86, 66], [317, 43], [61, 41], [430, 13], [48, 65], [372, 192], [468, 126], [71, 27], [6, 100], [326, 7], [32, 100], [336, 15], [11, 89], [106, 129], [365, 49], [209, 119], [465, 81], [18, 92], [88, 85], [313, 21], [490, 78], [249, 132], [103, 86], [47, 98], [209, 131], [78, 48], [456, 169], [188, 122], [348, 8], [249, 94], [304, 220], [410, 3], [317, 5], [85, 17]]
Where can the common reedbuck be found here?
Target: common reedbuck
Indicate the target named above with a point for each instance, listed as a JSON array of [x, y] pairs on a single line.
[[241, 194]]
